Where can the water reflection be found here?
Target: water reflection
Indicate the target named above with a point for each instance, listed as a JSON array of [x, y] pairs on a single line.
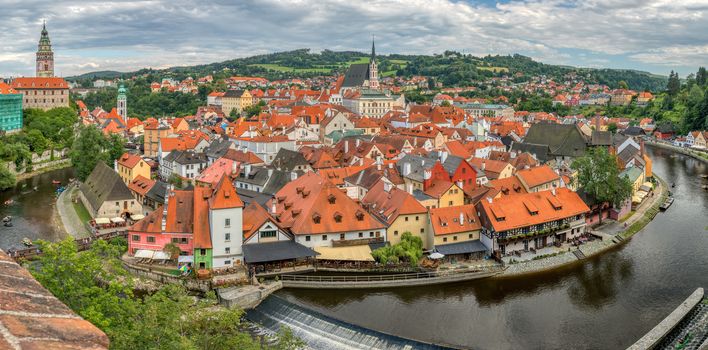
[[619, 295]]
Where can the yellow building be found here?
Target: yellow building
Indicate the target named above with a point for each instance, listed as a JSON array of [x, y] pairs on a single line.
[[154, 131], [236, 100], [446, 193], [129, 166], [399, 210], [455, 231]]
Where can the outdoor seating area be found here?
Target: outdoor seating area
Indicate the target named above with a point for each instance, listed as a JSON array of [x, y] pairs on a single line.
[[146, 256]]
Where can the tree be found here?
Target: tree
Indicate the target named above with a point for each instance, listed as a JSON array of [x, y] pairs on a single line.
[[88, 150], [409, 249], [172, 249], [37, 142], [623, 85], [598, 176], [7, 179], [612, 127], [445, 103], [674, 85], [115, 147], [702, 76], [176, 180]]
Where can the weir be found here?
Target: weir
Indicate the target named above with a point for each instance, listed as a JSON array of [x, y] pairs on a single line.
[[323, 332]]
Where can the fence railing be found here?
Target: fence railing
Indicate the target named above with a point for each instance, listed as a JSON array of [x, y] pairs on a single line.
[[376, 278]]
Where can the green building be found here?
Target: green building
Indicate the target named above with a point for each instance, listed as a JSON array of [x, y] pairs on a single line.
[[10, 111], [202, 258]]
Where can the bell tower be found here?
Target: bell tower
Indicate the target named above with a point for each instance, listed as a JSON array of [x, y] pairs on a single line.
[[122, 106], [45, 56]]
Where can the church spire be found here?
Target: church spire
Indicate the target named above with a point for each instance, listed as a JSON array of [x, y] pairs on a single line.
[[373, 47], [45, 56]]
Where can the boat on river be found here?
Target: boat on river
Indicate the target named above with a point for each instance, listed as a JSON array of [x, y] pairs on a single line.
[[667, 203], [7, 219], [26, 241]]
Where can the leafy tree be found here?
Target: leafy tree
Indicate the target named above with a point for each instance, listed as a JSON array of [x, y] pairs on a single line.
[[88, 150], [702, 76], [172, 249], [612, 127], [176, 180], [37, 142], [598, 176], [623, 84], [7, 179], [94, 284], [116, 147], [409, 249], [674, 84]]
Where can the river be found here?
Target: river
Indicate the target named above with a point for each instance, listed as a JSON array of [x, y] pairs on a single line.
[[605, 302], [32, 211]]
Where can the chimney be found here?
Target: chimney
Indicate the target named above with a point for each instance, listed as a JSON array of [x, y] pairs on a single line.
[[387, 186], [489, 199], [358, 142], [641, 147], [484, 165], [443, 156], [272, 206], [234, 166], [163, 225], [346, 146], [379, 162], [270, 172], [513, 154], [247, 169], [427, 174], [460, 184], [409, 188], [293, 176], [462, 219], [553, 191]]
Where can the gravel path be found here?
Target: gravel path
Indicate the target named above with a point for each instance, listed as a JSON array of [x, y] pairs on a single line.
[[71, 221]]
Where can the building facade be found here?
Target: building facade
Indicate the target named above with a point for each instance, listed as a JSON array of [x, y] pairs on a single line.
[[42, 93], [45, 55]]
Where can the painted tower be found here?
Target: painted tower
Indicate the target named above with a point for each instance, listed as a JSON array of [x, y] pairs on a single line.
[[45, 56], [373, 69], [122, 103]]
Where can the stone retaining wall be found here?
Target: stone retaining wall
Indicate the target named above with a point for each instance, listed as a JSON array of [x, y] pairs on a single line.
[[449, 278], [162, 277], [651, 339], [702, 156], [247, 297]]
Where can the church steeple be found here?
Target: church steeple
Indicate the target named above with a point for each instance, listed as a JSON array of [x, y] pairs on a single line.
[[373, 68], [45, 56]]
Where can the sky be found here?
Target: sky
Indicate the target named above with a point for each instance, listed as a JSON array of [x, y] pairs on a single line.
[[651, 35]]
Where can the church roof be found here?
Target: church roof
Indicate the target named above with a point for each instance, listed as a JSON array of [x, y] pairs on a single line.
[[356, 75]]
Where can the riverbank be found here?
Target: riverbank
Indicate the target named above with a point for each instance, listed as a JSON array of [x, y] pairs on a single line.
[[42, 168], [702, 156], [641, 217], [68, 217]]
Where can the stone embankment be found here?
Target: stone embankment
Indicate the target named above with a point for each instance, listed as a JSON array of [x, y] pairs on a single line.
[[618, 235], [702, 156]]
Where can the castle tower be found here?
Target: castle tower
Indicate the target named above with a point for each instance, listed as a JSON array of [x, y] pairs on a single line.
[[122, 106], [45, 56], [373, 68]]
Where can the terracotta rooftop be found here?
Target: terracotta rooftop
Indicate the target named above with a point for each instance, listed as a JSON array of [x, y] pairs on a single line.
[[388, 205], [32, 318], [447, 220], [129, 160], [537, 176]]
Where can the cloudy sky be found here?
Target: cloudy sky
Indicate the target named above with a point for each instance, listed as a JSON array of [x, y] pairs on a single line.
[[651, 35]]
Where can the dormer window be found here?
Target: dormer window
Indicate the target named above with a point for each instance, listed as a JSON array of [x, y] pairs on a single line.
[[332, 199], [360, 215], [316, 218], [337, 217]]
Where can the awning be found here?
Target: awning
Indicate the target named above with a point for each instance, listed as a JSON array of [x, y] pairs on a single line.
[[160, 255], [102, 221], [353, 253], [467, 247], [436, 256], [117, 220], [137, 217], [648, 184], [275, 251], [144, 253], [185, 259], [636, 199]]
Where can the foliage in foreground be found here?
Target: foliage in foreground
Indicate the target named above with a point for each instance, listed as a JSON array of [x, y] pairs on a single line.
[[409, 249], [95, 286]]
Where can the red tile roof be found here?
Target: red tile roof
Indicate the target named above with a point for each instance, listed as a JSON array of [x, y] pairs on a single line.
[[141, 185], [225, 196], [129, 160], [389, 205], [510, 212], [537, 176], [39, 83], [6, 89], [310, 205], [254, 217], [446, 220], [201, 234]]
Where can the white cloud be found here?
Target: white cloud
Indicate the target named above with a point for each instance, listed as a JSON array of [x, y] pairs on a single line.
[[131, 34]]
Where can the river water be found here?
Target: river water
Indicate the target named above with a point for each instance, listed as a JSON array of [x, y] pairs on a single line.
[[605, 302], [32, 211]]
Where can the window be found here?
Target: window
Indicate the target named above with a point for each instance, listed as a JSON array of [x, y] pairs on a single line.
[[324, 237], [184, 240], [227, 222], [307, 238], [227, 250], [444, 239], [406, 218], [422, 230], [449, 203], [227, 237], [395, 233], [268, 234], [341, 236], [454, 238], [361, 234], [136, 238], [416, 218], [151, 239], [471, 235], [227, 262], [202, 252], [371, 234], [175, 240]]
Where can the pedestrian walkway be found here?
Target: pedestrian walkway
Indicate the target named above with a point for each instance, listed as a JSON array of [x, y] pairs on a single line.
[[613, 228], [71, 221]]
